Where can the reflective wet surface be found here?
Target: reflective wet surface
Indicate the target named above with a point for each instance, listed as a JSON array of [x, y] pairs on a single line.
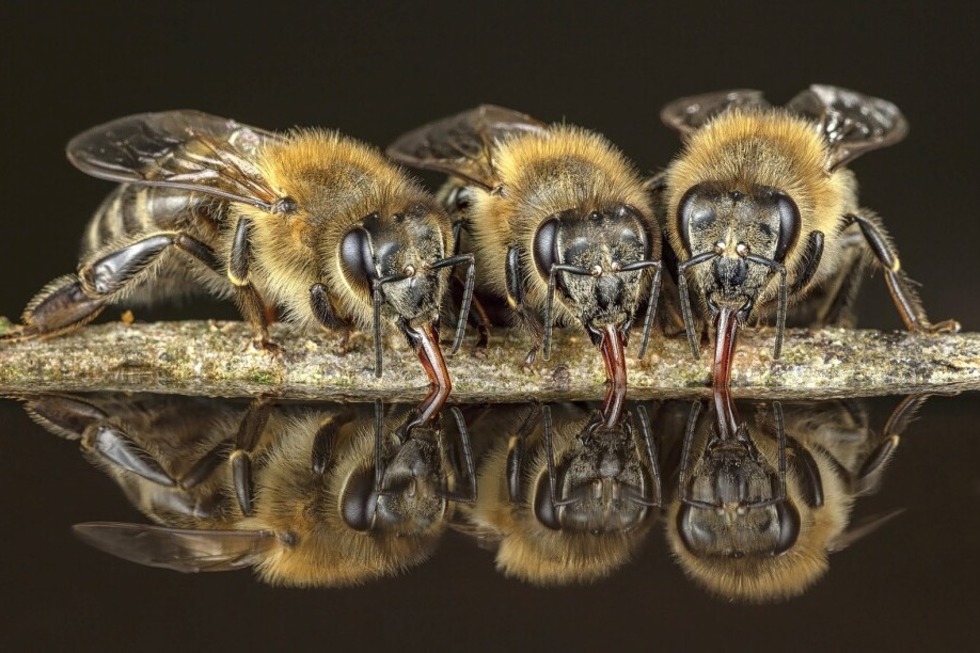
[[578, 524]]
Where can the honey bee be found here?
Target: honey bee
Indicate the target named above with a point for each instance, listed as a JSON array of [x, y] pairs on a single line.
[[559, 221], [312, 223], [329, 497], [763, 194], [760, 504], [569, 502]]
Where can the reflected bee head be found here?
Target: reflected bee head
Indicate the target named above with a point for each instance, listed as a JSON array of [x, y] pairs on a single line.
[[567, 503], [404, 483], [600, 484], [760, 505], [380, 507]]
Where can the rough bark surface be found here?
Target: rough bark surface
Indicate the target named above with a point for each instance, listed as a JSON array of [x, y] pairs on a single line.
[[214, 358]]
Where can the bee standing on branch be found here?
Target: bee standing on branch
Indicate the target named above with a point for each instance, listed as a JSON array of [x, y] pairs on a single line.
[[559, 220], [760, 211], [312, 223]]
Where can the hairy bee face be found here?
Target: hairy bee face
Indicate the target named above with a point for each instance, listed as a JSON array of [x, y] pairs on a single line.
[[396, 252], [587, 251], [749, 230], [602, 488], [405, 497]]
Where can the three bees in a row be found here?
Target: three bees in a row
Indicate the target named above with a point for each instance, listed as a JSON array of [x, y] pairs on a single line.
[[756, 214]]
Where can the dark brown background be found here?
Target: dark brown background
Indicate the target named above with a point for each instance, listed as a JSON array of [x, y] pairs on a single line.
[[375, 70]]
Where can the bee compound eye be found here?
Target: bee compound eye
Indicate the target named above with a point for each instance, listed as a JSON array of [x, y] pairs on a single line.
[[789, 224], [789, 527], [544, 505], [545, 246], [359, 501], [694, 213], [356, 257]]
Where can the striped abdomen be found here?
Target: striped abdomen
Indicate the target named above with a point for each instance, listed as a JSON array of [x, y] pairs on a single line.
[[132, 211]]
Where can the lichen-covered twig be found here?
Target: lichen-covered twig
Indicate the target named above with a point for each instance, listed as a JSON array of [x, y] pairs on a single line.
[[209, 358]]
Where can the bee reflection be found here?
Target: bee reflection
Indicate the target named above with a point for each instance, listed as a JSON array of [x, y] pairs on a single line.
[[567, 495], [760, 503], [308, 496]]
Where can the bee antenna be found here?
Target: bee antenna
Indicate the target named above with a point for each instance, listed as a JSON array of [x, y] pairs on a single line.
[[377, 328], [378, 459], [549, 315], [549, 305], [686, 299], [782, 301], [464, 439], [549, 445], [777, 409]]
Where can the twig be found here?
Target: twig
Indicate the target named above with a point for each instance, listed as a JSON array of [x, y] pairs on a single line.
[[209, 358]]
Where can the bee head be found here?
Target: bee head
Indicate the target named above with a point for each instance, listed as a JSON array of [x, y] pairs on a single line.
[[413, 479], [744, 232], [396, 254], [604, 486], [400, 495], [589, 252]]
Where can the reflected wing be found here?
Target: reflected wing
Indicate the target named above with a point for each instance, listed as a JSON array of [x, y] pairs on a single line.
[[851, 122], [462, 145], [688, 114], [178, 149], [177, 549]]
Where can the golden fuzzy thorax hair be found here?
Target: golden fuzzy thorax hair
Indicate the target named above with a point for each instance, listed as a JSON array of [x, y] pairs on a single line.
[[771, 148], [539, 175], [335, 182], [764, 578]]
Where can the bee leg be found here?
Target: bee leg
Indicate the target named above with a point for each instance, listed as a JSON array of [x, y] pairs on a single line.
[[516, 298], [114, 445], [466, 476], [249, 432], [327, 316], [60, 307], [250, 303], [478, 317], [72, 301], [64, 415], [204, 467], [516, 453], [899, 284], [323, 442], [830, 304]]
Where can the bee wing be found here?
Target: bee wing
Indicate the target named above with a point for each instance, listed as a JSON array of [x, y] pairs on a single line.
[[178, 149], [462, 145], [183, 550], [851, 122], [688, 114]]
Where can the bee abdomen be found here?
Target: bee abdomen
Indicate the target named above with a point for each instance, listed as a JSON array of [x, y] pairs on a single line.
[[133, 210]]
